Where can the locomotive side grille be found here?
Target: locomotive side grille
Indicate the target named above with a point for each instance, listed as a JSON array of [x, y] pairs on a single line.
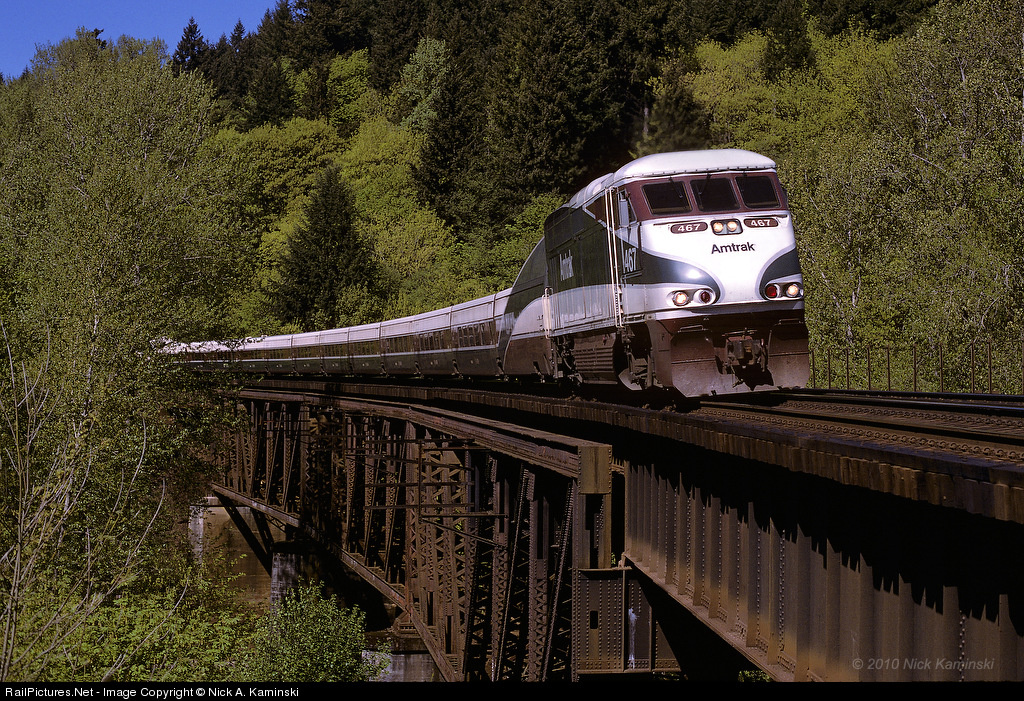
[[595, 358]]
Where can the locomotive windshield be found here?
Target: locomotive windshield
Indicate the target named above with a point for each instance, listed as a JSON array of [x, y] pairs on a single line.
[[666, 198], [714, 194], [758, 192]]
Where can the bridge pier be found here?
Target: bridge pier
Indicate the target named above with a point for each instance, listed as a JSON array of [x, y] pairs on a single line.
[[292, 563]]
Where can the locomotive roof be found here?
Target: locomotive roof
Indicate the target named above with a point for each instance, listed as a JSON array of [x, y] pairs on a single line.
[[676, 163]]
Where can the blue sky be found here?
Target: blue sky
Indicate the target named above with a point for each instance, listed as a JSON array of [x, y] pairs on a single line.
[[26, 23]]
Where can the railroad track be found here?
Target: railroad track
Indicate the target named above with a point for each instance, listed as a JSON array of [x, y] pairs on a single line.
[[977, 419], [976, 425], [969, 426]]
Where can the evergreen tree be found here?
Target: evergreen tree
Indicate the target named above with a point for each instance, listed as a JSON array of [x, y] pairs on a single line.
[[226, 67], [451, 175], [688, 22], [192, 49], [236, 74], [677, 122], [275, 33], [314, 99], [789, 46], [888, 18], [237, 35], [325, 258], [270, 97], [325, 27], [220, 68], [559, 107], [395, 32]]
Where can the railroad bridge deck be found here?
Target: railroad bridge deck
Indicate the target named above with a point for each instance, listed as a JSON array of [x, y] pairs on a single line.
[[823, 536]]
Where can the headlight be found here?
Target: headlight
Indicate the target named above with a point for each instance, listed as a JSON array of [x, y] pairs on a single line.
[[791, 290], [726, 226], [681, 298]]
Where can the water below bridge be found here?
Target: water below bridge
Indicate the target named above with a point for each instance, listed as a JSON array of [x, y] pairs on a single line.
[[215, 533]]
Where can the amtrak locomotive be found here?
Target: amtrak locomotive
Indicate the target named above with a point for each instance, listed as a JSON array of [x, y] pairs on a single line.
[[679, 270]]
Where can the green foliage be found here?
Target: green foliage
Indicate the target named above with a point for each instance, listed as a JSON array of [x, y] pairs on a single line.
[[889, 18], [456, 128], [731, 88], [833, 189], [957, 197], [324, 258], [276, 171], [411, 243], [562, 98], [270, 99], [309, 638], [497, 260], [678, 122], [326, 27], [903, 165], [122, 229], [416, 93], [285, 161], [451, 174], [789, 47], [394, 33], [124, 206], [188, 630], [724, 21], [276, 33], [350, 97]]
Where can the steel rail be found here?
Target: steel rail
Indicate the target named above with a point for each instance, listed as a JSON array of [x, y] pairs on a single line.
[[982, 424], [690, 475], [997, 405], [953, 466]]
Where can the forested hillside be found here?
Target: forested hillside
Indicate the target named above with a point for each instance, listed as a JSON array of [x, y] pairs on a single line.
[[352, 160]]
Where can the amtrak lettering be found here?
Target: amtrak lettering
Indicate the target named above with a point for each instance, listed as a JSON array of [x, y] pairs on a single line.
[[732, 248], [565, 263]]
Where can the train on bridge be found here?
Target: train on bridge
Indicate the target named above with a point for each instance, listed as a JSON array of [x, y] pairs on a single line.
[[678, 271]]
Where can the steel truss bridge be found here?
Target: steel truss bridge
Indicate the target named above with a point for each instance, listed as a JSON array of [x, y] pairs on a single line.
[[821, 536]]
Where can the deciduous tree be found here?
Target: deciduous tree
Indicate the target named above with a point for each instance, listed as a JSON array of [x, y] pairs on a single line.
[[309, 638]]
